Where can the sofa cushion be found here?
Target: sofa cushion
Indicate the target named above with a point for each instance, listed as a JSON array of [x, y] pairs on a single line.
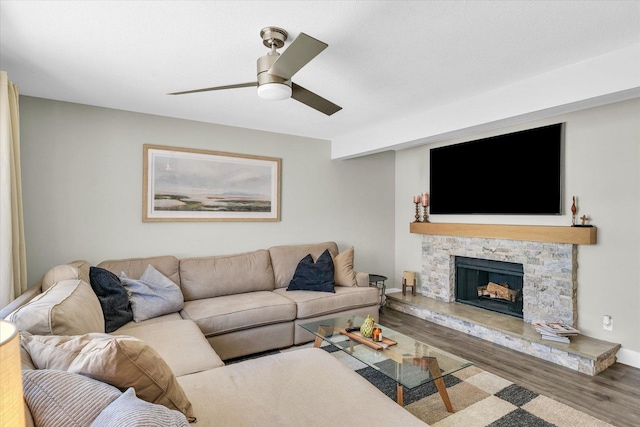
[[113, 298], [314, 276], [59, 398], [134, 267], [130, 411], [343, 266], [73, 270], [117, 360], [226, 275], [231, 313], [285, 259], [70, 307], [307, 387], [310, 304], [160, 319], [171, 338], [152, 295]]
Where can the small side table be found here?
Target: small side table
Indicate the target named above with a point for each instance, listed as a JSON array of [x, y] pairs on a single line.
[[378, 281]]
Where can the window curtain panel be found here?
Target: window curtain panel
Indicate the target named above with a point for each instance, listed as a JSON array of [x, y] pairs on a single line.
[[13, 263]]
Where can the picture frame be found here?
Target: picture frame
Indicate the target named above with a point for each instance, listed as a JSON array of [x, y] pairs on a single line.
[[183, 184]]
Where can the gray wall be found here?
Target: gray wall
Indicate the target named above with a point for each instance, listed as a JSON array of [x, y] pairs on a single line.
[[82, 190], [602, 169]]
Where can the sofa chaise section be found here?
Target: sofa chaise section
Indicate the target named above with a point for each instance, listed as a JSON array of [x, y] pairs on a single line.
[[306, 387]]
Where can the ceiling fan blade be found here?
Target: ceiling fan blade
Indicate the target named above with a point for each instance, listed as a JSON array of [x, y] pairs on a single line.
[[314, 101], [216, 88], [302, 50]]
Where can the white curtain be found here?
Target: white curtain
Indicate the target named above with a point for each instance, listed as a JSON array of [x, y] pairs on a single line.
[[13, 263]]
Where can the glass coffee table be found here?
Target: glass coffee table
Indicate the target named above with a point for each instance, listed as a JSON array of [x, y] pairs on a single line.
[[408, 362]]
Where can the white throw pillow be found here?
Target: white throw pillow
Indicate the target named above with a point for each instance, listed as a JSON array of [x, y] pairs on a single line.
[[152, 295], [129, 411]]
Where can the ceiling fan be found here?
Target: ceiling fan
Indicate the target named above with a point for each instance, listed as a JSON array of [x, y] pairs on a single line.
[[275, 70]]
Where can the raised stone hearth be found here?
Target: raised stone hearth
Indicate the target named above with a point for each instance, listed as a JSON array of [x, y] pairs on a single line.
[[582, 354]]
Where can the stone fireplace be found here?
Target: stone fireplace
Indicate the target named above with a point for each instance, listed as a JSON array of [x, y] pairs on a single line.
[[549, 281], [548, 255]]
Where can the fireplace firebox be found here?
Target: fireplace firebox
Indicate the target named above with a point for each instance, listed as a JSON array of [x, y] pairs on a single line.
[[492, 285]]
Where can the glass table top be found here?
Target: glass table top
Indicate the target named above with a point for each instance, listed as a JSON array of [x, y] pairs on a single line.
[[409, 362]]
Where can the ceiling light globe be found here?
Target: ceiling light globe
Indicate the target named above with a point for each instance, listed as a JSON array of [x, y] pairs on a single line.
[[274, 91]]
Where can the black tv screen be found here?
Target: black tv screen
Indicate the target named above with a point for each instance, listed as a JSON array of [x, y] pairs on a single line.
[[514, 174]]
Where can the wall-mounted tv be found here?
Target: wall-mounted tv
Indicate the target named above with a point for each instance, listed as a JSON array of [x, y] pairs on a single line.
[[518, 173]]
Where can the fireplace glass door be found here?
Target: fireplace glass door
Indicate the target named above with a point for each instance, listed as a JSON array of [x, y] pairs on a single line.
[[488, 284]]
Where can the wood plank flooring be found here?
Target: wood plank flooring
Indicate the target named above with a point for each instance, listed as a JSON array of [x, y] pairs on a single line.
[[612, 396]]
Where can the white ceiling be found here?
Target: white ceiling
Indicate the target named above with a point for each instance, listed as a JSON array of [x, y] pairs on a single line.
[[386, 59]]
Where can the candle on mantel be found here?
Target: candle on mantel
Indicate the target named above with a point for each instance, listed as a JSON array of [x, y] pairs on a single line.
[[416, 199], [425, 199]]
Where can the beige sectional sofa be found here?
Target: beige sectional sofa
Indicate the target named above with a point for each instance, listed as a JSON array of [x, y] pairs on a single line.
[[234, 305]]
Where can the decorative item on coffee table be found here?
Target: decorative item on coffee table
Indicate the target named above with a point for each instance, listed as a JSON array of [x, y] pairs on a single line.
[[367, 327]]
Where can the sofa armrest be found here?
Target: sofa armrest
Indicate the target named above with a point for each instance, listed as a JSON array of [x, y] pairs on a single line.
[[27, 296], [362, 279]]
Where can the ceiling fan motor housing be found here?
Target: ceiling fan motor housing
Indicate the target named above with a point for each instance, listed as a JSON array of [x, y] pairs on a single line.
[[271, 86], [264, 64]]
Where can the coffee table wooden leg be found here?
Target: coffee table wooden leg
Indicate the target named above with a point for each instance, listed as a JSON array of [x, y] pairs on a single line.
[[432, 364], [399, 393], [440, 385], [322, 330]]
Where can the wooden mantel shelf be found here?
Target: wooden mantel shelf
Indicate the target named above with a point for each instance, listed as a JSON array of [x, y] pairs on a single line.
[[531, 233]]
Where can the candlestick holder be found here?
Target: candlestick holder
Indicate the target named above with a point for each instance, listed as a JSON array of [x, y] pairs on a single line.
[[417, 212], [425, 217]]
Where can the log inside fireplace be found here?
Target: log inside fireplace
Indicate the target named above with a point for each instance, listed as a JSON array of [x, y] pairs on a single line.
[[499, 290]]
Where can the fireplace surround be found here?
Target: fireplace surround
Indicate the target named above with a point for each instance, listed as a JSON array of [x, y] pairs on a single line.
[[549, 289]]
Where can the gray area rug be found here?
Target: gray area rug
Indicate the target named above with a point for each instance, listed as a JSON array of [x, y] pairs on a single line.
[[480, 399]]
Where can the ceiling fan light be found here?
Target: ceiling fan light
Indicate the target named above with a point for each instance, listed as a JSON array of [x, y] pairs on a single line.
[[274, 91]]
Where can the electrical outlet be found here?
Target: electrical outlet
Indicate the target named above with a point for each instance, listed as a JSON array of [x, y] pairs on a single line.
[[607, 323]]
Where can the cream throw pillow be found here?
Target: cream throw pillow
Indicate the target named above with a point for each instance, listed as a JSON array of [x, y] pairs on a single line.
[[344, 275], [70, 307], [118, 360]]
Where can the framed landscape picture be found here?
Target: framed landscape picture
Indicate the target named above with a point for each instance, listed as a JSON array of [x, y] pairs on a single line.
[[183, 184]]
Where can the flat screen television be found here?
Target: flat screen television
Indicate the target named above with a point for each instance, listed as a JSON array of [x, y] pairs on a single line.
[[518, 173]]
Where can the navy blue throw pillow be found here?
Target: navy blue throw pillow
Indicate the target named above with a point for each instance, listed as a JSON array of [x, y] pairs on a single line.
[[113, 298], [310, 276]]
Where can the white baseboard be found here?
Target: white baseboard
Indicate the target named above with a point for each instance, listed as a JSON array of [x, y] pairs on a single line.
[[628, 357]]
